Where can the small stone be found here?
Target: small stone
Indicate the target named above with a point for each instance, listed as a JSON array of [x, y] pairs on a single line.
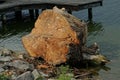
[[20, 56], [22, 65], [51, 79], [36, 74], [43, 74], [0, 52], [1, 65], [25, 76], [74, 79], [13, 77], [31, 67], [6, 52], [5, 59], [69, 74], [1, 70]]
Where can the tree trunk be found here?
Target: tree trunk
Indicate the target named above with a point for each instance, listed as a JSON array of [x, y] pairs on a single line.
[[57, 37]]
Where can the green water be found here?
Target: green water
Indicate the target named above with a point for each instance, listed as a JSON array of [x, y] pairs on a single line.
[[105, 30]]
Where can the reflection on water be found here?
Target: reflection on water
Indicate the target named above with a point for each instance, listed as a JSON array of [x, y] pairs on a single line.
[[94, 28], [2, 1], [15, 28], [10, 34], [92, 72]]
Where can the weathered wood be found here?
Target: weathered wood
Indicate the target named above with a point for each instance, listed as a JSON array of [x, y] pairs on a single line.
[[18, 15], [90, 16], [70, 5], [73, 5], [3, 19], [57, 37], [31, 13], [36, 13], [69, 11]]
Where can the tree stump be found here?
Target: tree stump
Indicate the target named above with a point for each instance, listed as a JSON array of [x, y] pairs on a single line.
[[57, 37]]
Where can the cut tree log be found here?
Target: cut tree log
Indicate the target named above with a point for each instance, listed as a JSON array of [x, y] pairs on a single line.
[[57, 37]]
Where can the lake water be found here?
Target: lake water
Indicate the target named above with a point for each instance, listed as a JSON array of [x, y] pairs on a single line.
[[105, 30]]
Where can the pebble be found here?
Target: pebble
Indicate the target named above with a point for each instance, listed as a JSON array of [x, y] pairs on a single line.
[[1, 70], [22, 65], [5, 59], [6, 52], [36, 74], [43, 74], [25, 76], [51, 79]]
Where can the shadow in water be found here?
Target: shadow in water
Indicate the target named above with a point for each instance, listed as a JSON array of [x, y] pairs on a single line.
[[94, 28], [89, 71], [11, 29], [2, 1]]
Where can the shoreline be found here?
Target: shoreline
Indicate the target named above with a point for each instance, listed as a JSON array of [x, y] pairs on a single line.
[[18, 65]]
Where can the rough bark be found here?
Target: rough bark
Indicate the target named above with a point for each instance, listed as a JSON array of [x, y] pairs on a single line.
[[56, 37]]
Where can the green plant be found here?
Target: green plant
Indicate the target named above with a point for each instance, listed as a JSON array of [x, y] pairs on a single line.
[[64, 77], [64, 73], [3, 77], [39, 78]]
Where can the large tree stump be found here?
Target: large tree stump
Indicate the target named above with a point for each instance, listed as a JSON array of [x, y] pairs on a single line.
[[56, 37]]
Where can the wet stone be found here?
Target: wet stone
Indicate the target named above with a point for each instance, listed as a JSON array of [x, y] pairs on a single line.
[[36, 74], [25, 76], [43, 74], [51, 79], [1, 70], [1, 65], [5, 52], [5, 59], [0, 53], [22, 65], [13, 77]]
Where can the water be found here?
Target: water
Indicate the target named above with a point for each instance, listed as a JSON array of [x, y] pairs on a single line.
[[104, 30], [108, 36]]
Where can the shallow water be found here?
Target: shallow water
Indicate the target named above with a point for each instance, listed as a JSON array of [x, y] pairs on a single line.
[[108, 36], [104, 30]]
